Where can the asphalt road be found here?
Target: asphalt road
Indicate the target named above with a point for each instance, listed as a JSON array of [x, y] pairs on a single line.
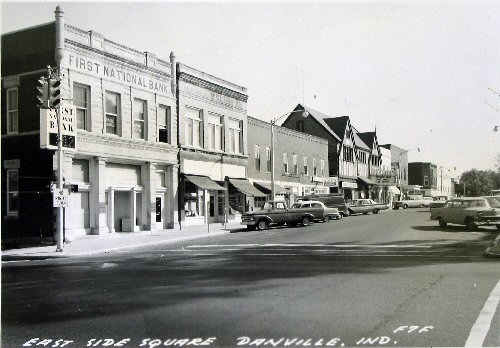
[[394, 279]]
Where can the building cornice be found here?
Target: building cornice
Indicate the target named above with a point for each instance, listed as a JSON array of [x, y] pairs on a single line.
[[193, 80]]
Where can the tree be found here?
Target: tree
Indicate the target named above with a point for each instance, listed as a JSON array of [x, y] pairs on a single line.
[[479, 182]]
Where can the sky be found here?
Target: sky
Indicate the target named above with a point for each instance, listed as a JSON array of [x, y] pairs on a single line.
[[422, 74]]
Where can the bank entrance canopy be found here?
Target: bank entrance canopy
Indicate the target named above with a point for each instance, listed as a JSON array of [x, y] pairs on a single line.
[[205, 183], [244, 186]]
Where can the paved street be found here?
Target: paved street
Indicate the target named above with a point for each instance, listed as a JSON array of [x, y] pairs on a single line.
[[392, 279]]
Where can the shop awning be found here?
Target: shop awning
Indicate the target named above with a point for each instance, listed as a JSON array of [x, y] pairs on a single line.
[[367, 181], [244, 186], [204, 182], [394, 190], [265, 187]]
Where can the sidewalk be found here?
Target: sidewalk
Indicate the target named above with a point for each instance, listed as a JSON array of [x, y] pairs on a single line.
[[94, 244]]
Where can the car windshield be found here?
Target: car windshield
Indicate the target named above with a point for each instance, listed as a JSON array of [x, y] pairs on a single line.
[[494, 202]]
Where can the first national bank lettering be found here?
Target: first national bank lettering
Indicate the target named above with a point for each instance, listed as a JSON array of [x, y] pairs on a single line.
[[116, 74]]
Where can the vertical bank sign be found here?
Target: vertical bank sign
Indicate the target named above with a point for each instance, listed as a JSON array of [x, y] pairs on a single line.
[[49, 131]]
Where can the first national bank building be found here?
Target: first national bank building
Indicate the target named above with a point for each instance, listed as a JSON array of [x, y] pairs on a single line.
[[127, 162]]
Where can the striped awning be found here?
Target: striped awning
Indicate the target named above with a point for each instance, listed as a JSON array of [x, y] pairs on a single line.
[[246, 187], [204, 182], [266, 187]]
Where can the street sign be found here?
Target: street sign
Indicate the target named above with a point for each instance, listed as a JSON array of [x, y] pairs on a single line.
[[60, 198]]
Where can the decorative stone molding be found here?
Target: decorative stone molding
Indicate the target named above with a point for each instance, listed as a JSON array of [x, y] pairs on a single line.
[[90, 138]]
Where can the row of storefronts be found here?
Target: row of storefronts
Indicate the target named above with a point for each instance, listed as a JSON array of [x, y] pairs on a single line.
[[158, 144]]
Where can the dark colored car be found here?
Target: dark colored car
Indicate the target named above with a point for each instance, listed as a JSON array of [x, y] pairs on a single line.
[[331, 201]]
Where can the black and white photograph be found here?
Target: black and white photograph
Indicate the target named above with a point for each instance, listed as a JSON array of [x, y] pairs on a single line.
[[251, 174]]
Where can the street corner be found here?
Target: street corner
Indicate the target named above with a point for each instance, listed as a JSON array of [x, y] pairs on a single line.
[[494, 249]]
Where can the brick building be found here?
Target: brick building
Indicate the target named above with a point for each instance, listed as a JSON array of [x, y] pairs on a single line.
[[125, 160], [301, 161]]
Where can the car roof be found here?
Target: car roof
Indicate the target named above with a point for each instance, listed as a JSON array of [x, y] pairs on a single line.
[[309, 202]]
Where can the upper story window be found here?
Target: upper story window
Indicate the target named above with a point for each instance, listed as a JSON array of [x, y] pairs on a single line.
[[12, 192], [322, 167], [315, 169], [426, 180], [164, 119], [193, 127], [285, 163], [306, 167], [268, 159], [12, 110], [348, 153], [257, 157], [299, 125], [295, 165], [235, 135], [138, 118], [81, 100], [112, 113], [215, 132]]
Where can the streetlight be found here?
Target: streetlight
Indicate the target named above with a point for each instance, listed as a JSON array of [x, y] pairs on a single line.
[[304, 114]]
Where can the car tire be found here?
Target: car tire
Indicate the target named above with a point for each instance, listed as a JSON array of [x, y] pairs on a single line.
[[375, 211], [421, 206], [306, 221], [351, 212], [262, 225], [327, 219], [470, 224], [405, 206], [442, 223]]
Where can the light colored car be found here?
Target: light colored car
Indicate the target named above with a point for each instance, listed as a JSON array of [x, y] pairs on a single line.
[[328, 213], [413, 203], [469, 211], [365, 206]]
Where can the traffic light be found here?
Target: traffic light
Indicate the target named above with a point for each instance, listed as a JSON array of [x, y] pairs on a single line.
[[54, 93], [42, 93]]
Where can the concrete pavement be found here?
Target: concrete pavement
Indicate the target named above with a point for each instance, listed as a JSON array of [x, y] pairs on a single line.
[[94, 244]]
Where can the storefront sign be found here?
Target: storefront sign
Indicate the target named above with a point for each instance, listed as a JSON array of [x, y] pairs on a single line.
[[318, 179], [49, 125], [346, 184], [105, 70], [332, 181]]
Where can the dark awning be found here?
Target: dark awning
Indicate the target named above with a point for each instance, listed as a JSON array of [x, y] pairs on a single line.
[[246, 187], [204, 182], [265, 187], [366, 180]]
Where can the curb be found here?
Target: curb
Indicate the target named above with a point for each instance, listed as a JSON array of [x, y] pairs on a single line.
[[494, 245], [55, 255]]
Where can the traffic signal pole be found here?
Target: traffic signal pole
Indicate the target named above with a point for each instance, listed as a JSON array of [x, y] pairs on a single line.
[[59, 55]]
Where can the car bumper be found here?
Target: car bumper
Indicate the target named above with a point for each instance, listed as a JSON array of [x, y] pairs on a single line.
[[248, 223], [488, 220]]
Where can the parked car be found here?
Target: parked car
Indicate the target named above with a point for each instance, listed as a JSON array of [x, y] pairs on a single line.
[[365, 206], [277, 213], [469, 211], [438, 201], [412, 203], [327, 215], [331, 201]]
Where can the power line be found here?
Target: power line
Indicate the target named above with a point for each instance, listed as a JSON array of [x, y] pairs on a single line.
[[269, 38]]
